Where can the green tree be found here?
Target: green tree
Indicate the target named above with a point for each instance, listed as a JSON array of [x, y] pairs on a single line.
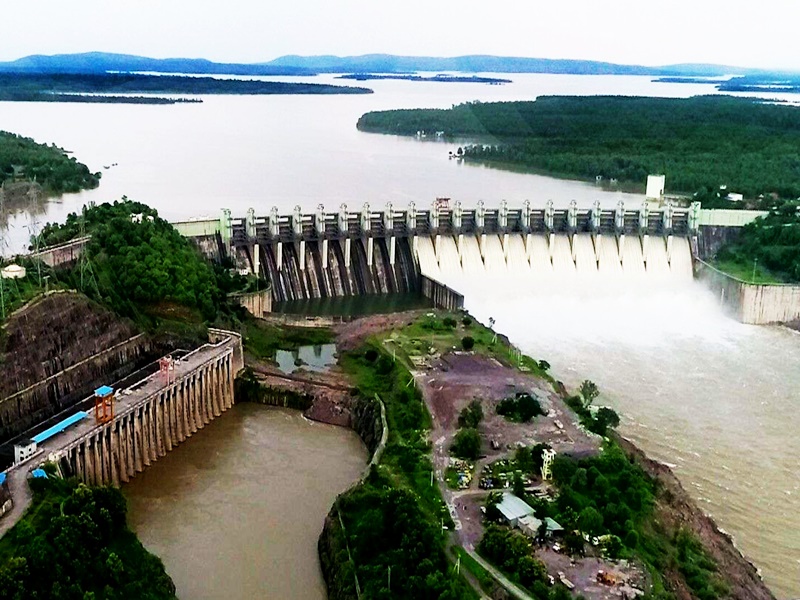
[[472, 415], [589, 392], [590, 521], [467, 444]]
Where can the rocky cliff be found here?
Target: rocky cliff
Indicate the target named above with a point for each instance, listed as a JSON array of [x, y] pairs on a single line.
[[55, 351]]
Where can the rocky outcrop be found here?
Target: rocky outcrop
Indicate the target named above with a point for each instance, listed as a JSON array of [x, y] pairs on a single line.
[[56, 350], [366, 422]]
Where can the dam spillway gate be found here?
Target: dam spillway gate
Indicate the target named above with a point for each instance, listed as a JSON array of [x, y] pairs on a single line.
[[348, 253]]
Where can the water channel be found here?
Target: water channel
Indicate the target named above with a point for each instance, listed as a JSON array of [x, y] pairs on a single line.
[[235, 511], [698, 390]]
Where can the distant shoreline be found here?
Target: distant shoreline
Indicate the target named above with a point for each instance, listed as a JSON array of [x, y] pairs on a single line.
[[126, 88], [437, 78]]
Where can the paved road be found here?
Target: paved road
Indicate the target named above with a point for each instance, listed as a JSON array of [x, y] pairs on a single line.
[[17, 480], [510, 586]]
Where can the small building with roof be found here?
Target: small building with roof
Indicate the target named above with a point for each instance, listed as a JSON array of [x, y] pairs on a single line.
[[529, 525], [513, 508], [13, 271]]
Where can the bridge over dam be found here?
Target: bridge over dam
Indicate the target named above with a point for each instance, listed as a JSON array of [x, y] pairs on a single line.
[[148, 419], [326, 255]]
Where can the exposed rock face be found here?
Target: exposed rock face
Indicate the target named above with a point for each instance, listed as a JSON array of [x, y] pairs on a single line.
[[58, 349]]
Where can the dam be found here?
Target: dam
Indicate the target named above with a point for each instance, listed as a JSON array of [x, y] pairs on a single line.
[[137, 425], [347, 253]]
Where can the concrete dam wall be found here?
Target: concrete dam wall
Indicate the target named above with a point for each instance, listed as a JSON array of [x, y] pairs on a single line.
[[348, 253], [154, 416], [336, 268], [752, 303]]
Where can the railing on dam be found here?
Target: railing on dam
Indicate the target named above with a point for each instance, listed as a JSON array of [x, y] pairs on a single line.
[[151, 417]]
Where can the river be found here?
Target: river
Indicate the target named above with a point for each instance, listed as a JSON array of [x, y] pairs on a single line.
[[235, 511], [715, 398]]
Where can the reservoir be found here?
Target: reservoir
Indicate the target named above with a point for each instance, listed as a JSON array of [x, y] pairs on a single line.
[[235, 511], [717, 399]]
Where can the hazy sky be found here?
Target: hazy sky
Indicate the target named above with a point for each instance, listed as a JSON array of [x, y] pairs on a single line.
[[757, 33]]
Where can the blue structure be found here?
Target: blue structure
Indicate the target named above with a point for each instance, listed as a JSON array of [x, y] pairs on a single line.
[[59, 427], [104, 391], [39, 474], [2, 478]]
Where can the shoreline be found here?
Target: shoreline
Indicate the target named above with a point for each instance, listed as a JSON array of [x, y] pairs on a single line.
[[674, 505]]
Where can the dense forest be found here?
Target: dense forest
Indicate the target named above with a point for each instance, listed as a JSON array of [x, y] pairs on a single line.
[[771, 242], [74, 544], [38, 86], [22, 159], [138, 262], [703, 142]]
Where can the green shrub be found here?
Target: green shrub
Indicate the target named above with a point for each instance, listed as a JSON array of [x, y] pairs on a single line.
[[466, 444], [471, 415], [449, 322], [521, 409], [467, 343]]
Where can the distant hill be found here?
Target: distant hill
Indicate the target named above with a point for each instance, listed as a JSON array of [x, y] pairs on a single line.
[[388, 63], [99, 62]]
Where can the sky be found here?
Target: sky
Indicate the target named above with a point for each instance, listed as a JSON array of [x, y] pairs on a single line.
[[650, 32]]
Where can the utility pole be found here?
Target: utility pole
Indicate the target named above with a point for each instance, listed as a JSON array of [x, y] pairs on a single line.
[[389, 582], [755, 262]]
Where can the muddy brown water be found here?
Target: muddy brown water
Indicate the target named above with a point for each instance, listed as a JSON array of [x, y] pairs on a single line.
[[236, 510]]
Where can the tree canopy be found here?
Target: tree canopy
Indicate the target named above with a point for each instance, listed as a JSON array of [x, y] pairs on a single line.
[[701, 142], [23, 159], [77, 545], [138, 260], [771, 242]]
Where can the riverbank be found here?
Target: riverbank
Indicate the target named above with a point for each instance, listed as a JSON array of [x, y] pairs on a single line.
[[448, 381]]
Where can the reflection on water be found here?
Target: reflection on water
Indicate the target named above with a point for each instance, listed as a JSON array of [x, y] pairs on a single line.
[[235, 511], [696, 389], [312, 358]]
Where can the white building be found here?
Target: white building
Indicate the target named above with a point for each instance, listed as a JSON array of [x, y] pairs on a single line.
[[513, 509], [24, 450], [13, 272], [548, 455], [655, 187]]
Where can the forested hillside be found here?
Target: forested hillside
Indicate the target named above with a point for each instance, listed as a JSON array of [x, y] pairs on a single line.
[[22, 159], [701, 142]]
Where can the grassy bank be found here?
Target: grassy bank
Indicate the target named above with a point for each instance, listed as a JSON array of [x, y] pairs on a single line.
[[394, 519]]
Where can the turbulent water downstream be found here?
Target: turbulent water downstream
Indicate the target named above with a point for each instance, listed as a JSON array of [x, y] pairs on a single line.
[[715, 399], [235, 511]]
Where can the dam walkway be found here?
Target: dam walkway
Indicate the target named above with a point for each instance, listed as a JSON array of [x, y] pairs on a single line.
[[150, 418]]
